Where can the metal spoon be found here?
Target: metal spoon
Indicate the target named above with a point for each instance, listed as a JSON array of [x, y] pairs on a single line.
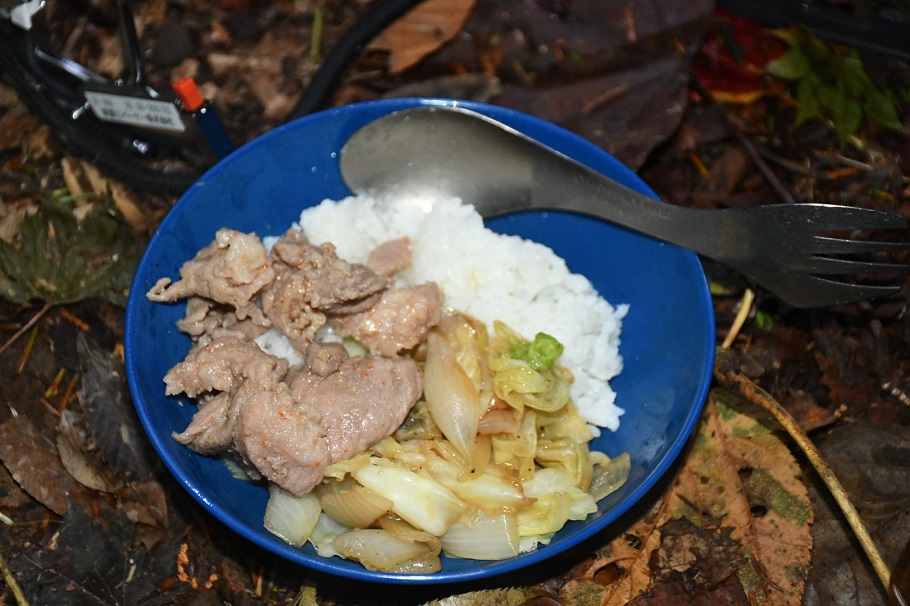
[[451, 151]]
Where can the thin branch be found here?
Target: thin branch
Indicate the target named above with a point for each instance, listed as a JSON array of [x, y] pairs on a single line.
[[762, 166], [26, 327], [745, 307], [727, 372], [10, 579]]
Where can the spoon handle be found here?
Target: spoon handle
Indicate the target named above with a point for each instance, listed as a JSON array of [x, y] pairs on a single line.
[[464, 154]]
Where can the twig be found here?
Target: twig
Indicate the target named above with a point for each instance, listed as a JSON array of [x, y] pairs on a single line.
[[726, 370], [10, 579], [34, 320], [756, 157], [316, 32], [745, 307], [796, 167]]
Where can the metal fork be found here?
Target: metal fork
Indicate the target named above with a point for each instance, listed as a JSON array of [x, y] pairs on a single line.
[[786, 248]]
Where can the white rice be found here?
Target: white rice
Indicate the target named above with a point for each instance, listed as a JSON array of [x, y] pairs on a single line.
[[491, 277]]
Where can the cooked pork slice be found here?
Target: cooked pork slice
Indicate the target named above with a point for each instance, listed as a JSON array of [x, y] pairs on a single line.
[[231, 270], [284, 303], [206, 320], [329, 284], [324, 358], [218, 364], [211, 431], [361, 402], [391, 257], [281, 438], [399, 321]]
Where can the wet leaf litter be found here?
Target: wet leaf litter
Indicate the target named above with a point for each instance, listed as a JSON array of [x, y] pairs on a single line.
[[758, 528]]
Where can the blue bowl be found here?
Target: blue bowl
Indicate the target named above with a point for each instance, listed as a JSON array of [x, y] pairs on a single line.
[[668, 337]]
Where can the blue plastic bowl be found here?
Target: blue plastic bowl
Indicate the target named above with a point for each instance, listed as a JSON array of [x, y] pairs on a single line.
[[668, 337]]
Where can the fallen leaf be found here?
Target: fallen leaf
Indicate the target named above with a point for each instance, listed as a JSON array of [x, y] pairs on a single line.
[[15, 124], [32, 460], [82, 177], [677, 590], [60, 258], [740, 471], [707, 555], [732, 60], [144, 503], [11, 494], [847, 362], [110, 418], [622, 570], [473, 86], [76, 457], [96, 562], [421, 31], [873, 465], [627, 112], [740, 487], [510, 596]]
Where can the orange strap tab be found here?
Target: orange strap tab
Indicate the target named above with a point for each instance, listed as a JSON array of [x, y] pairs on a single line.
[[188, 93]]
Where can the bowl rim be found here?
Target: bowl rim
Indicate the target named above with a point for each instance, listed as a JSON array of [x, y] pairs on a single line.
[[488, 569]]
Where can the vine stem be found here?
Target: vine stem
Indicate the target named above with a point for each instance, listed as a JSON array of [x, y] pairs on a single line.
[[726, 371]]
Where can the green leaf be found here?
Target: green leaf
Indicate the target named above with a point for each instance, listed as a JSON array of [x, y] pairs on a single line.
[[881, 108], [847, 119], [60, 259], [792, 65], [851, 72], [810, 102], [833, 85]]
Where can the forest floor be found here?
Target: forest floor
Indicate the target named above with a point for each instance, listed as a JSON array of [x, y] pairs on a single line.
[[679, 92]]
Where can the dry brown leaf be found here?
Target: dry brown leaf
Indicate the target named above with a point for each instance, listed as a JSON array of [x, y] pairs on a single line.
[[740, 487], [85, 467], [422, 31], [14, 124], [741, 474], [82, 177], [33, 462], [622, 570]]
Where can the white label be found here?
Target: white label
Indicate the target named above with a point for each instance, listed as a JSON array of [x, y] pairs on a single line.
[[137, 111]]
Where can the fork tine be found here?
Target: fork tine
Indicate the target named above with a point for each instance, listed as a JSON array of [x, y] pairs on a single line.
[[833, 217], [827, 265], [840, 246], [830, 292]]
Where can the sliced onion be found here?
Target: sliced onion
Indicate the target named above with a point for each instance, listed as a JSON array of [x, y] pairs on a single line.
[[483, 454], [609, 475], [486, 537], [495, 490], [425, 503], [451, 396], [355, 507], [237, 471], [289, 517], [324, 533], [425, 564], [403, 530], [569, 455], [517, 451], [378, 549], [556, 494]]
